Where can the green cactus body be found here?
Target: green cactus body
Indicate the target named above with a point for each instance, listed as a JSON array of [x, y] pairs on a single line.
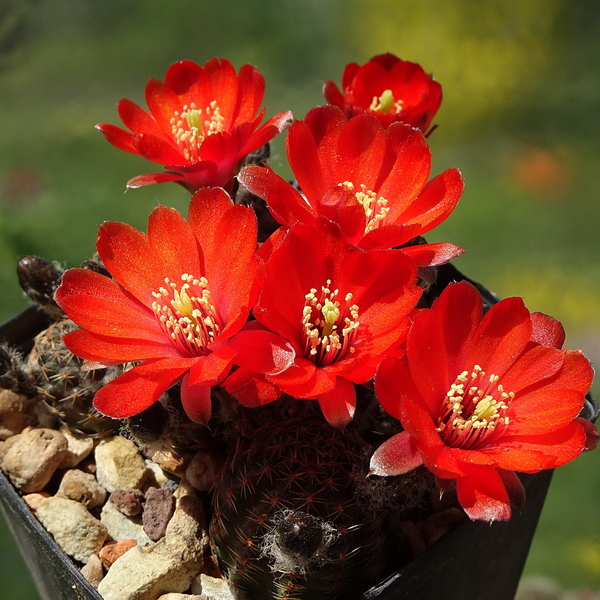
[[295, 516], [66, 388]]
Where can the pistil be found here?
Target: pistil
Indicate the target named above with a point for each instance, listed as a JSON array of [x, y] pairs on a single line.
[[386, 103]]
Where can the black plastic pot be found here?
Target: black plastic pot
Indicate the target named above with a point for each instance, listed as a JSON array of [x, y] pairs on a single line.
[[473, 561]]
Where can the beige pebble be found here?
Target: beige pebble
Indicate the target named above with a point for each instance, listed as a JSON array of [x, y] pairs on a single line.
[[78, 448], [15, 413], [81, 487], [75, 530], [119, 465], [147, 573], [31, 458], [93, 570], [212, 587], [204, 468]]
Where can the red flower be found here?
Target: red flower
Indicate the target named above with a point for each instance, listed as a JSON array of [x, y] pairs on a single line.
[[340, 309], [482, 398], [389, 88], [371, 181], [179, 292], [202, 123]]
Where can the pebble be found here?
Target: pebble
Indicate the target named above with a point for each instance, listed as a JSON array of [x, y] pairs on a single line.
[[204, 469], [212, 587], [33, 500], [75, 530], [169, 565], [158, 510], [128, 502], [172, 596], [121, 527], [78, 448], [119, 465], [30, 458], [188, 519], [15, 413], [114, 550], [81, 487], [160, 478], [93, 570]]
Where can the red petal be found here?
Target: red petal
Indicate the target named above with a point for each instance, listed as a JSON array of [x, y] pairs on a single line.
[[339, 404], [296, 381], [427, 360], [332, 94], [173, 246], [158, 150], [396, 456], [460, 309], [532, 368], [392, 381], [180, 76], [252, 88], [432, 255], [546, 330], [262, 351], [532, 453], [138, 120], [100, 304], [483, 495], [138, 388], [104, 349], [501, 337], [364, 153], [152, 178], [274, 126], [286, 204], [119, 138], [251, 389], [196, 401], [228, 237], [212, 368], [436, 201]]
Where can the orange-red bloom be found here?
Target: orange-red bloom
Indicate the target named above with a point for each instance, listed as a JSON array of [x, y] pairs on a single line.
[[480, 398], [338, 307], [369, 180], [389, 88], [202, 123], [179, 292]]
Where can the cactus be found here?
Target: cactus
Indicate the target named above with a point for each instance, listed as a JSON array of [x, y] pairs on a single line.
[[66, 388], [295, 516]]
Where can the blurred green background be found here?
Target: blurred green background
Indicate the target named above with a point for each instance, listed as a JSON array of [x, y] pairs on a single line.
[[520, 119]]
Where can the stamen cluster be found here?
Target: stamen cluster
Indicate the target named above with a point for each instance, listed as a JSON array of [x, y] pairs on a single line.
[[370, 201], [189, 128], [188, 314], [329, 332], [473, 409]]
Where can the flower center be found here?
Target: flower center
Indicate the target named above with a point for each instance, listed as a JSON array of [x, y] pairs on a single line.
[[329, 330], [386, 104], [191, 126], [473, 409], [187, 314], [375, 206]]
